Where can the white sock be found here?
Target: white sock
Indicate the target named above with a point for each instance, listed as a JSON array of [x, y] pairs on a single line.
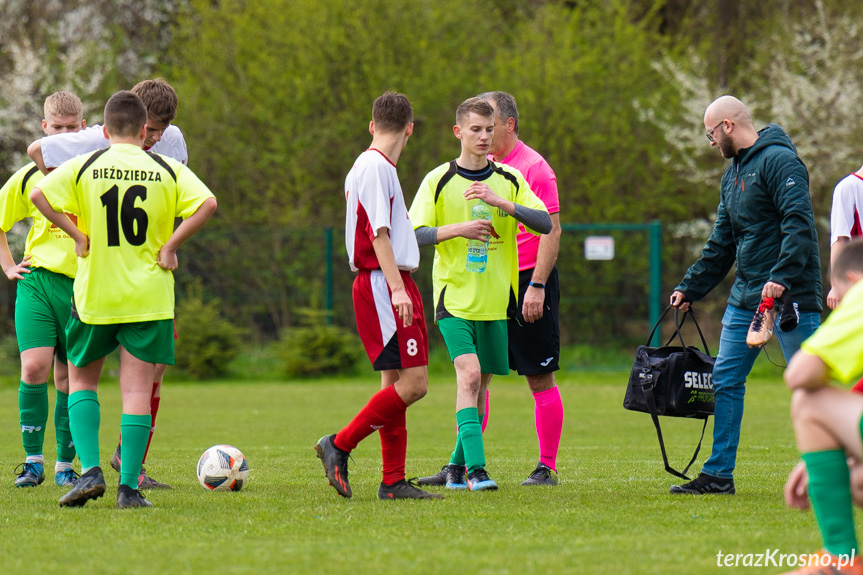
[[35, 459], [62, 466]]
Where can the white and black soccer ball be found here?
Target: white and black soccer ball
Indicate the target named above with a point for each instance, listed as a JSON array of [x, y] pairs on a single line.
[[223, 468]]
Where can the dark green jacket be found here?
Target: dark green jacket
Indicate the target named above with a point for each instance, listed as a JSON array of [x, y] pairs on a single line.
[[765, 225]]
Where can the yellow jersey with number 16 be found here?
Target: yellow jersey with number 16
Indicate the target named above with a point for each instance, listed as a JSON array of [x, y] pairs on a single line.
[[126, 201]]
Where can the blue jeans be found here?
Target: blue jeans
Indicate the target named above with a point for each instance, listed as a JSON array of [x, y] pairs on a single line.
[[733, 364]]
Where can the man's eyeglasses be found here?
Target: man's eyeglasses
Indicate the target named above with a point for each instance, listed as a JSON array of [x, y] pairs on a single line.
[[710, 132]]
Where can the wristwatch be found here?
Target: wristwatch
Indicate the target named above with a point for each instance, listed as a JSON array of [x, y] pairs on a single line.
[[536, 285]]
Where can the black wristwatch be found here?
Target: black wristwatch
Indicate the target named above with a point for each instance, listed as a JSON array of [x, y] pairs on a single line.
[[536, 285]]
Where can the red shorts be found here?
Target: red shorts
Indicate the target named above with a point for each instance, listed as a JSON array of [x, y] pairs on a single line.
[[388, 343]]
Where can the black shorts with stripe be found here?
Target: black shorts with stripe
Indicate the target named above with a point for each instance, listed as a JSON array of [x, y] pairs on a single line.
[[534, 348]]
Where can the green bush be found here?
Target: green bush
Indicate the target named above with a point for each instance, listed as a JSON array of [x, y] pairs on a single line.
[[315, 348], [207, 342]]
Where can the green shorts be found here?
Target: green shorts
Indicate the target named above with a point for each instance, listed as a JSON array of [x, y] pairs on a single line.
[[42, 305], [487, 339], [150, 341]]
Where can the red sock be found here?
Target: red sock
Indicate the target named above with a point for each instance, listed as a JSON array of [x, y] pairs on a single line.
[[394, 448], [381, 408], [154, 409]]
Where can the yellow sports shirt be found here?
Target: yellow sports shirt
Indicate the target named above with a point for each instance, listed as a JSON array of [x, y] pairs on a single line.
[[126, 201], [839, 340], [47, 245], [440, 201]]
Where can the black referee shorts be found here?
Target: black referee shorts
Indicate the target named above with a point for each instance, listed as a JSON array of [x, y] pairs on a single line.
[[534, 348]]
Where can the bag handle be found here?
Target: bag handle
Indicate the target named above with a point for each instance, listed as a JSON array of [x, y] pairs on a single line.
[[656, 325], [689, 313], [651, 406], [678, 323]]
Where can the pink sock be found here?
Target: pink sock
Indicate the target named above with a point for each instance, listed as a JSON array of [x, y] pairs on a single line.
[[549, 424], [485, 415]]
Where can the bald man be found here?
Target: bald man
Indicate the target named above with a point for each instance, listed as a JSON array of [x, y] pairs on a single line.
[[765, 226]]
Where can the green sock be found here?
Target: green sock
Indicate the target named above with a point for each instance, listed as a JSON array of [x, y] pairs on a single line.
[[470, 437], [84, 420], [457, 457], [135, 430], [33, 411], [65, 445], [830, 494]]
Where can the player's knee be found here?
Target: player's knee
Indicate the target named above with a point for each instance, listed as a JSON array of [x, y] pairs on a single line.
[[541, 382], [801, 405], [35, 371], [416, 393], [470, 381]]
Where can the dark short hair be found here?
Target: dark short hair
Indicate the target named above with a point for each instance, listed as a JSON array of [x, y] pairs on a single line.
[[392, 112], [125, 114], [473, 105], [160, 98], [850, 259], [505, 104]]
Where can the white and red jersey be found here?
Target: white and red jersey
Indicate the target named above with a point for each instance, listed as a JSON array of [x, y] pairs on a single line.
[[541, 179], [374, 201], [847, 203], [58, 148]]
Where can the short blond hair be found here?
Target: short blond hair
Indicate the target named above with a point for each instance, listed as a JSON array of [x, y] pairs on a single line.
[[63, 104], [473, 105], [159, 97]]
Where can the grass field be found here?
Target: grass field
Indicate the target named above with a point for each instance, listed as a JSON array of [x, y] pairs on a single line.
[[611, 514]]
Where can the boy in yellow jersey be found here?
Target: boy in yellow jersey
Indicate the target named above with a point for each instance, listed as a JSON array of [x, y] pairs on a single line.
[[162, 138], [827, 420], [125, 200], [471, 306], [44, 294]]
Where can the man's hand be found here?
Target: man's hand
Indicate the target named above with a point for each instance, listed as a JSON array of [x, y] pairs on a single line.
[[772, 289], [797, 488], [404, 306], [82, 246], [14, 272], [678, 299], [477, 230], [481, 191], [167, 259], [534, 299], [832, 300]]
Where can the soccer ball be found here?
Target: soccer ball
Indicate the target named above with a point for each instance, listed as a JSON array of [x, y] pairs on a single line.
[[223, 468]]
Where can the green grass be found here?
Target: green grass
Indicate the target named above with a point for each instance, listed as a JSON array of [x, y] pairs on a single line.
[[611, 514]]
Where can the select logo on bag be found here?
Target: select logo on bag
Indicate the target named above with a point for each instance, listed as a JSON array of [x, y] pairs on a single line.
[[698, 380]]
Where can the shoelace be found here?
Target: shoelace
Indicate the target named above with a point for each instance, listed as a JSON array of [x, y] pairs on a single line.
[[758, 318], [412, 483], [541, 472], [25, 467], [71, 474], [480, 475]]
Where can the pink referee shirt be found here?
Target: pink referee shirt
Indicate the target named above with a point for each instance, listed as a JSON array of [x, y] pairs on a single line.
[[541, 179]]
